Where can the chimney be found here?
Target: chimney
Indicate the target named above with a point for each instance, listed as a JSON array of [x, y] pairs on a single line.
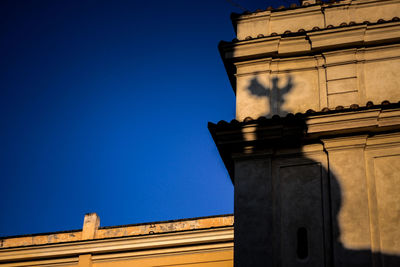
[[90, 225]]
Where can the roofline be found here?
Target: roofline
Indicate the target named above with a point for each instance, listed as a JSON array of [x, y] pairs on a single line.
[[295, 131], [156, 244], [118, 226]]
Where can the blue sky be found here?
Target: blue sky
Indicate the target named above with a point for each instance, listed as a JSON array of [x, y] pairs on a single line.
[[104, 108]]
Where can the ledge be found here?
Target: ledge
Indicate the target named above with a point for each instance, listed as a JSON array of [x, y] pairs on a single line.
[[320, 15], [308, 42], [251, 136], [199, 239]]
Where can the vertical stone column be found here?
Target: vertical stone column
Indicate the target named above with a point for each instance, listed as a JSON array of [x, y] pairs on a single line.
[[253, 212], [349, 199], [383, 174]]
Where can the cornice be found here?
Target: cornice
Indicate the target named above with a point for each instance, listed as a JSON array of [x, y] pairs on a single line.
[[292, 46], [187, 224], [309, 42], [123, 244], [252, 137], [343, 143], [303, 8], [320, 15]]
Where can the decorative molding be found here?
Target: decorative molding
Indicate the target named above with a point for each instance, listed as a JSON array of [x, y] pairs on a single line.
[[194, 238]]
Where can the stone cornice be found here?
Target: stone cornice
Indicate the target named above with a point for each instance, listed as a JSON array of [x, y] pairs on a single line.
[[96, 232], [306, 43], [253, 136], [343, 143], [199, 239], [296, 46], [321, 15]]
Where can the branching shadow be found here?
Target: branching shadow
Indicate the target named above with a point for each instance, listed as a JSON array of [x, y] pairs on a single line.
[[274, 93]]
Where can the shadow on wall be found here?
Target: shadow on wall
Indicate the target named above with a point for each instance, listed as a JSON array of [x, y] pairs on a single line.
[[344, 256], [309, 234], [274, 93]]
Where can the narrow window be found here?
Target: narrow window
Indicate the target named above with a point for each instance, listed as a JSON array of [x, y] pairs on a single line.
[[302, 243]]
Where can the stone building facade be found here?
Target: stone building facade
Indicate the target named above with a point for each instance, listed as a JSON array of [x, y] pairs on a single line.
[[314, 154], [206, 241], [314, 151]]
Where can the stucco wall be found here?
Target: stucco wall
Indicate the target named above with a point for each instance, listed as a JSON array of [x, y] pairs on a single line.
[[334, 195], [206, 241], [322, 15], [354, 199], [338, 78]]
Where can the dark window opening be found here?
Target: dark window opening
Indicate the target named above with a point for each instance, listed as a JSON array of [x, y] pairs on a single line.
[[302, 243]]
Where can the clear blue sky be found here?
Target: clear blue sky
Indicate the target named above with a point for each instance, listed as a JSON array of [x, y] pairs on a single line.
[[104, 108]]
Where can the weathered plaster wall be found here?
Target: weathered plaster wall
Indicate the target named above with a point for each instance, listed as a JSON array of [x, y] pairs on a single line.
[[204, 241], [314, 57], [275, 195], [357, 11], [91, 230], [338, 78], [349, 183], [223, 258], [253, 210]]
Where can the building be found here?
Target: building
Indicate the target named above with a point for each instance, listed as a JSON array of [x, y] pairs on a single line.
[[314, 151], [206, 241]]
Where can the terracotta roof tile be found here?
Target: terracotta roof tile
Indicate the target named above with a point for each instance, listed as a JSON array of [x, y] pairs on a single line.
[[291, 6], [330, 26], [276, 118]]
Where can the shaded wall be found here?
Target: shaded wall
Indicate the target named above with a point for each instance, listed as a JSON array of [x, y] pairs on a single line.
[[343, 192]]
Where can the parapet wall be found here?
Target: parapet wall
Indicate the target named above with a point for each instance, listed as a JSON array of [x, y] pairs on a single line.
[[309, 17], [207, 241], [314, 57], [91, 232]]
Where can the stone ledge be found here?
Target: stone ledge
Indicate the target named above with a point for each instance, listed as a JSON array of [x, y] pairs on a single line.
[[199, 239], [94, 232]]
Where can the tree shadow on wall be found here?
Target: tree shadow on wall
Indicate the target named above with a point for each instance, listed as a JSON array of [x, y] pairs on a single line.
[[297, 242]]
